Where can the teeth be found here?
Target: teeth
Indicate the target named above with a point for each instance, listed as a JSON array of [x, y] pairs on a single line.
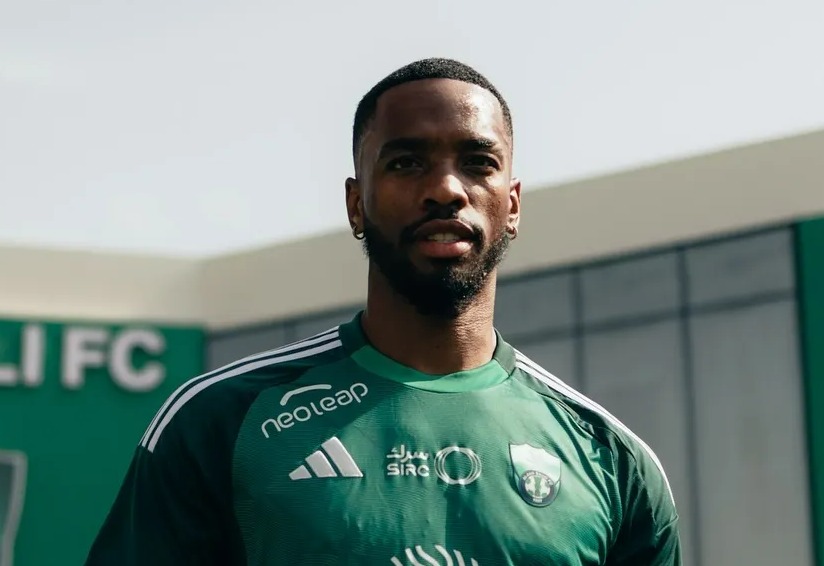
[[445, 237]]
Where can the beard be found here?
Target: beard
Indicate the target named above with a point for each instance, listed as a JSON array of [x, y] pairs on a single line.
[[452, 285]]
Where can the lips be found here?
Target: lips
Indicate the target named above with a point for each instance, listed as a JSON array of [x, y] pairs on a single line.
[[444, 239], [444, 231]]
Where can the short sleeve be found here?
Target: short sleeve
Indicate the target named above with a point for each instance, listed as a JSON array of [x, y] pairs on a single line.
[[649, 532], [174, 505]]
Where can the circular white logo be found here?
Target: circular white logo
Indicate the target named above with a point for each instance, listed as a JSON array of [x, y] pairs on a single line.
[[474, 465]]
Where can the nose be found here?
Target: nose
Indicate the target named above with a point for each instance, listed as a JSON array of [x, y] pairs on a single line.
[[445, 188]]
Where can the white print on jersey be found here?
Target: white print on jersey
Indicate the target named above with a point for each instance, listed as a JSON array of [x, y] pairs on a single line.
[[417, 464], [445, 558], [407, 463], [443, 474], [303, 413], [321, 467]]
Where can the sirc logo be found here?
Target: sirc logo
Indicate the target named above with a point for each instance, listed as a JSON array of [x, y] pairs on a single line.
[[407, 463], [453, 465]]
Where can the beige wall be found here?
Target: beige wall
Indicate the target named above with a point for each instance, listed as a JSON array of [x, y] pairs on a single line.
[[56, 284], [746, 187]]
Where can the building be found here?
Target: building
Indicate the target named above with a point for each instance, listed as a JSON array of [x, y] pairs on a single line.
[[687, 297]]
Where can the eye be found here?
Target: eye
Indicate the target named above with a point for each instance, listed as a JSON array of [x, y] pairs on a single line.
[[484, 162], [403, 163]]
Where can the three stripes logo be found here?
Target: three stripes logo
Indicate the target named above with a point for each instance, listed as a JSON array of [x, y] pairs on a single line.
[[450, 558], [318, 464]]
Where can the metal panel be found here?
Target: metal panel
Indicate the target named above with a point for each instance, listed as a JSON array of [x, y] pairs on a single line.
[[555, 356], [224, 349], [630, 288], [304, 328], [637, 374], [741, 268], [752, 462], [535, 304]]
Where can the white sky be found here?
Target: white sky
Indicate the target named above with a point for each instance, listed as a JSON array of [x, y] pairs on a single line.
[[205, 126]]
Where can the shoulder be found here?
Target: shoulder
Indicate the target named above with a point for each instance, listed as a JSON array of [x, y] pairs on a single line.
[[643, 467], [222, 396]]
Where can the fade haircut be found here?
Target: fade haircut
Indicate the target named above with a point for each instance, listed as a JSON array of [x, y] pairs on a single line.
[[433, 68]]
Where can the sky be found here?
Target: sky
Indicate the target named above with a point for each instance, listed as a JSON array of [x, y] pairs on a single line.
[[202, 127]]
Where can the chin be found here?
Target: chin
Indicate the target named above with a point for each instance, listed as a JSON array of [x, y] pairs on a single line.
[[442, 262], [439, 268]]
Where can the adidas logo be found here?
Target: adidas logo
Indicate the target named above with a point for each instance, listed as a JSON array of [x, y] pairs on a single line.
[[321, 467]]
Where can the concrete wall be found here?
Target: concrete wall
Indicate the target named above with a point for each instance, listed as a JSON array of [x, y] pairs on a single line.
[[59, 284]]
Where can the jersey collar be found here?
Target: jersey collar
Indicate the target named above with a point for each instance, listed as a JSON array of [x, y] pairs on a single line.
[[494, 372]]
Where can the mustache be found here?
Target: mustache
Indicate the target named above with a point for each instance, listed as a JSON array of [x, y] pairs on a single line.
[[407, 235]]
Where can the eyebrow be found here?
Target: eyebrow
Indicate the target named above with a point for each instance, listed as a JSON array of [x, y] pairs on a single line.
[[423, 144]]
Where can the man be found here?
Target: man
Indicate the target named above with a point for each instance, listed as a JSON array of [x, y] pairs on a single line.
[[414, 434]]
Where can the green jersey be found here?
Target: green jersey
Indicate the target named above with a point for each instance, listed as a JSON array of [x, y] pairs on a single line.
[[328, 452]]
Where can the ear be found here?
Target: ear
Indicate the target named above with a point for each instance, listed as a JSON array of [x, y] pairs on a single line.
[[514, 204], [354, 204]]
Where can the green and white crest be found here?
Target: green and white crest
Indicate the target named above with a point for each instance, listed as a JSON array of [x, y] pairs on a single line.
[[537, 474]]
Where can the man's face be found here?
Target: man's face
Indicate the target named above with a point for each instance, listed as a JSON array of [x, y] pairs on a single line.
[[434, 194]]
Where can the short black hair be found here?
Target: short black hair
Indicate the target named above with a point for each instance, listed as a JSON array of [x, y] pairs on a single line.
[[433, 68]]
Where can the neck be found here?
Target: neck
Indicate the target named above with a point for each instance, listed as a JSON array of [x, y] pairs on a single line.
[[431, 345]]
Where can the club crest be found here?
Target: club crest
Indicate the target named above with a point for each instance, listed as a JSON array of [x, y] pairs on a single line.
[[537, 474]]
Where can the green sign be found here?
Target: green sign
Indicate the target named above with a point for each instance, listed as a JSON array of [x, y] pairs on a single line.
[[74, 401], [810, 252]]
